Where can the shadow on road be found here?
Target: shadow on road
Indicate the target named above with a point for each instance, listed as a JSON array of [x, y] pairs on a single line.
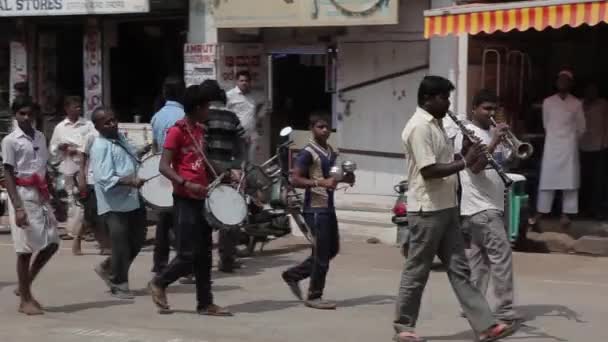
[[531, 312], [4, 284], [71, 308], [259, 306]]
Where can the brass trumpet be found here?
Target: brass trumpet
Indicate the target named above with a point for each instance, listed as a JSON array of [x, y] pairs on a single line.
[[520, 149]]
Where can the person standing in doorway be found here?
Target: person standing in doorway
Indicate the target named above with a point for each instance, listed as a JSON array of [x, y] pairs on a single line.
[[242, 103], [434, 217], [184, 163], [482, 209], [564, 123], [118, 202], [165, 118], [33, 225], [594, 153], [225, 147], [68, 140]]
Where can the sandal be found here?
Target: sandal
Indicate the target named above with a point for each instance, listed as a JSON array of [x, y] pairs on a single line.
[[408, 337], [498, 332]]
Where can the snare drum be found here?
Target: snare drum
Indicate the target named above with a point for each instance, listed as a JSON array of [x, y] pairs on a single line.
[[225, 207], [157, 190]]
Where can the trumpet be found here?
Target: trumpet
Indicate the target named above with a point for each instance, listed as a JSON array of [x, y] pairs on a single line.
[[521, 150]]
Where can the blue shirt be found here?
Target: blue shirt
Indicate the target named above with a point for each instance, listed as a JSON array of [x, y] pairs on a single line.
[[164, 119], [315, 162], [112, 160]]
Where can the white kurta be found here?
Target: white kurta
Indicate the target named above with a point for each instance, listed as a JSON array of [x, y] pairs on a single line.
[[564, 123]]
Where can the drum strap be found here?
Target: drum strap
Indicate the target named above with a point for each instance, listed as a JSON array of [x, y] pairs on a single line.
[[199, 149]]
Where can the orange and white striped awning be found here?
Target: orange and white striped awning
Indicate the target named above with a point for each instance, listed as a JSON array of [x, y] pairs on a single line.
[[523, 15]]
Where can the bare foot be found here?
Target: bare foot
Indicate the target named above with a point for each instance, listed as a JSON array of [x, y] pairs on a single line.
[[30, 308], [17, 292], [564, 222]]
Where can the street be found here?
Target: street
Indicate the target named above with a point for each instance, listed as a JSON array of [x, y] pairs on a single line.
[[561, 295]]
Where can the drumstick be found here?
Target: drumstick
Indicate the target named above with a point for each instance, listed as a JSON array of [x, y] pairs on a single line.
[[151, 178]]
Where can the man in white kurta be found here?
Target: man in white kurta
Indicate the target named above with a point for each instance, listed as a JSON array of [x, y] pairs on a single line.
[[564, 123], [33, 224]]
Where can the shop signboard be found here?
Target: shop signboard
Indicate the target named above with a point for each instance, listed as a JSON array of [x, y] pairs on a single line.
[[20, 8], [93, 86], [199, 63], [294, 13], [18, 65]]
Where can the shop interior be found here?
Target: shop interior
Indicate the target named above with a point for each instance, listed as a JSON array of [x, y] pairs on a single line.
[[146, 52], [522, 67], [299, 90]]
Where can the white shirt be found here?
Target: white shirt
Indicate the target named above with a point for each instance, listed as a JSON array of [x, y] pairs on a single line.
[[244, 106], [27, 156], [485, 190], [426, 143], [73, 133], [86, 149]]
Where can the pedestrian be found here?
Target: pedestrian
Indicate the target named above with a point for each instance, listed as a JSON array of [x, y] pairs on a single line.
[[594, 153], [118, 202], [249, 111], [225, 147], [311, 172], [183, 162], [564, 123], [434, 218], [67, 141], [33, 225], [482, 209], [165, 118], [88, 199]]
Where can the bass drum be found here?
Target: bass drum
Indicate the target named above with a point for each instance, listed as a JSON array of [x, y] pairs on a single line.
[[225, 207], [157, 190]]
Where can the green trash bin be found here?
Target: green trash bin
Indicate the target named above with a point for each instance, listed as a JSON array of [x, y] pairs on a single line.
[[516, 200]]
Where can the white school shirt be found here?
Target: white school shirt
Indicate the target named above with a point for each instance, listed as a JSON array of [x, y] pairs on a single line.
[[72, 132], [27, 156]]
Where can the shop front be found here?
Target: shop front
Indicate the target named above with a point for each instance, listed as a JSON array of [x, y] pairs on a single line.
[[517, 49]]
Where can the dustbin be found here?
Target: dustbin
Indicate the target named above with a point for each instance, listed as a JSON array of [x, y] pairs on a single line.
[[516, 200]]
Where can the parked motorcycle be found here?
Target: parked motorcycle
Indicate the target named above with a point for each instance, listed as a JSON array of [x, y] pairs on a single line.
[[400, 216]]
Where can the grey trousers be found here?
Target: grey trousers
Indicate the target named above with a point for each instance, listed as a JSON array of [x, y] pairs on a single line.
[[438, 233], [490, 257]]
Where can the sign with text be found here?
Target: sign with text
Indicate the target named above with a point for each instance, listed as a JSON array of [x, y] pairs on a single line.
[[199, 63], [93, 85], [18, 72], [241, 56], [293, 13], [19, 8]]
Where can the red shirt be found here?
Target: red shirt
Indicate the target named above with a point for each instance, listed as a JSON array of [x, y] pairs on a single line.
[[187, 160]]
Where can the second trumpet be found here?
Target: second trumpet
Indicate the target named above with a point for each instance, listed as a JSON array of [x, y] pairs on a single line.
[[520, 149]]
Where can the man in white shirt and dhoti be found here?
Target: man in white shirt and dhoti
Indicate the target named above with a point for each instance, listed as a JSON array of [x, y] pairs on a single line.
[[564, 123], [33, 224]]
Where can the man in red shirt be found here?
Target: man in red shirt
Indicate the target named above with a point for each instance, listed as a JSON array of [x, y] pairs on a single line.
[[184, 163]]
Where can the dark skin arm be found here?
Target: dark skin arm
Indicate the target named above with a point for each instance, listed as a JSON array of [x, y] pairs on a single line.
[[299, 180], [440, 170], [82, 176], [11, 188], [167, 171]]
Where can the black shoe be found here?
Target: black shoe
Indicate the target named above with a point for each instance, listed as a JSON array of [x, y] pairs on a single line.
[[321, 304], [122, 294], [294, 286], [189, 280]]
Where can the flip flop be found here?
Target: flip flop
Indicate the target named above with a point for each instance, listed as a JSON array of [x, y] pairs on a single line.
[[509, 330], [410, 338]]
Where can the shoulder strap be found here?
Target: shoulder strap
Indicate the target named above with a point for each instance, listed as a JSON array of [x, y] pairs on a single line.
[[199, 148]]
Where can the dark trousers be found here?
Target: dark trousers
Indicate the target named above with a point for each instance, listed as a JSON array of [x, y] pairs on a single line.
[[193, 243], [127, 233], [162, 241], [593, 181], [228, 239], [94, 221], [324, 229]]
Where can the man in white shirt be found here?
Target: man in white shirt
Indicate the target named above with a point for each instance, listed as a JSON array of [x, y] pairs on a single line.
[[564, 123], [66, 145], [434, 218], [242, 103], [594, 152], [482, 208]]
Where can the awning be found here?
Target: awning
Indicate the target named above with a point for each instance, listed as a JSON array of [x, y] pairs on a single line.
[[523, 15]]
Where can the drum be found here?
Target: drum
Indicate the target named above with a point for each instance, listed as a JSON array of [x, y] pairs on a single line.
[[225, 207], [157, 190]]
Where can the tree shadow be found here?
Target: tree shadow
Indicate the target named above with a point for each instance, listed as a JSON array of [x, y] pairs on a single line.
[[71, 308]]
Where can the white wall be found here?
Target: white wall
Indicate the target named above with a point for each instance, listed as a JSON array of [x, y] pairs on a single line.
[[379, 111]]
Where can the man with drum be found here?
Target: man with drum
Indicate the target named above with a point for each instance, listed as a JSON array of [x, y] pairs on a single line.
[[311, 172], [183, 161], [225, 147], [166, 117], [118, 202]]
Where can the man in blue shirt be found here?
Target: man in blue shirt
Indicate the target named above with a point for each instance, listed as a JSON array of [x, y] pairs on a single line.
[[165, 118], [118, 203]]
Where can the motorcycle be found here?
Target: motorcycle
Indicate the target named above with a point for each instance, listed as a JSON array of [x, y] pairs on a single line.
[[400, 216]]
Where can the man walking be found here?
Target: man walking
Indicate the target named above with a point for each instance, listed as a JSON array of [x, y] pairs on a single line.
[[225, 147], [184, 163], [33, 225], [482, 208], [434, 218], [118, 201], [165, 118], [564, 122]]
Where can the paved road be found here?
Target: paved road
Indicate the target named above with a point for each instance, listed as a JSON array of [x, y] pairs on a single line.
[[562, 295]]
